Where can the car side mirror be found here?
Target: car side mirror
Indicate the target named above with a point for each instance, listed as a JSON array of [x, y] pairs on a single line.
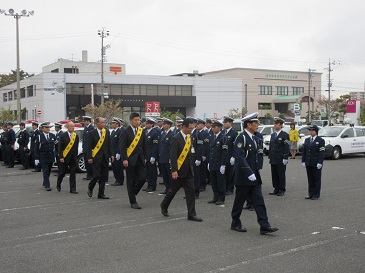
[[302, 135], [344, 136]]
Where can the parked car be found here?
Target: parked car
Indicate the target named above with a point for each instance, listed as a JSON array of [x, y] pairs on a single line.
[[267, 139]]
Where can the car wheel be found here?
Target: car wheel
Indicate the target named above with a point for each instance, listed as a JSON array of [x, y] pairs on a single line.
[[336, 153], [81, 164]]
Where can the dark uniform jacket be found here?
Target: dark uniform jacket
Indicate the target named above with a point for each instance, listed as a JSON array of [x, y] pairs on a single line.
[[206, 147], [44, 149], [64, 139], [260, 145], [197, 144], [218, 152], [246, 160], [313, 153], [139, 152], [11, 137], [105, 150], [85, 136], [230, 137], [33, 139], [58, 134], [176, 147], [164, 146], [115, 137], [152, 143], [23, 138], [279, 147], [3, 137]]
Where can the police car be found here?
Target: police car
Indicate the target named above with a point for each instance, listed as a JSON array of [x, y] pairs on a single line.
[[340, 140]]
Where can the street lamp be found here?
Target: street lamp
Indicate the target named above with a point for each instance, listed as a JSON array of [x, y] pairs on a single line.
[[103, 34], [17, 16]]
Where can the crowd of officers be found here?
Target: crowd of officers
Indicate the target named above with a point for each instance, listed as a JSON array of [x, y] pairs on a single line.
[[211, 151]]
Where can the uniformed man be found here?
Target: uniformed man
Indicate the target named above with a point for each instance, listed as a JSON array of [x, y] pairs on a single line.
[[23, 140], [152, 134], [143, 123], [178, 126], [197, 144], [44, 152], [217, 160], [4, 140], [230, 136], [208, 127], [10, 145], [160, 130], [278, 155], [200, 127], [87, 128], [164, 153], [58, 129], [33, 139], [247, 177], [312, 159], [117, 165]]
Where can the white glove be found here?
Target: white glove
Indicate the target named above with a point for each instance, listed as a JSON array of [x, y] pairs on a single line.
[[222, 169], [36, 162], [285, 161], [117, 156], [204, 158], [319, 166], [231, 160], [152, 160], [303, 164], [197, 163], [169, 161], [208, 167], [252, 177]]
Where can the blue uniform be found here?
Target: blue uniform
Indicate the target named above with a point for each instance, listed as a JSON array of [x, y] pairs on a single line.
[[23, 141], [197, 144], [45, 153], [164, 156], [10, 150], [230, 137], [152, 151], [89, 167], [58, 134], [117, 165], [33, 140]]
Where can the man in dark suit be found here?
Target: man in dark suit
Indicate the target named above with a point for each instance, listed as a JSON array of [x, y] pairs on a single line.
[[247, 177], [133, 154], [182, 171], [87, 128], [59, 132], [278, 155], [23, 140], [200, 127], [117, 165], [45, 152], [164, 153], [10, 145], [67, 153], [98, 154], [312, 160], [3, 140], [152, 135], [33, 139]]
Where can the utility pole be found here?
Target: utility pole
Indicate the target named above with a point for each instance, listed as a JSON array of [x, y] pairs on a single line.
[[310, 71], [329, 84], [103, 34]]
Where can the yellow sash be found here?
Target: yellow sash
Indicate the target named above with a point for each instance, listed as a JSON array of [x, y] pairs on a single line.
[[100, 143], [135, 141], [69, 145], [184, 152]]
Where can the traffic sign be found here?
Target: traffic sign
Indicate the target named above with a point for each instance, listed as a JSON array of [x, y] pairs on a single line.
[[39, 112]]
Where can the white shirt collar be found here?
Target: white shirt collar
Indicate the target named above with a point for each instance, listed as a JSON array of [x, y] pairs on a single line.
[[184, 136], [227, 130], [251, 135]]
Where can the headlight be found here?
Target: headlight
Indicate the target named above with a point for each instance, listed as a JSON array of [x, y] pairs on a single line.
[[327, 142]]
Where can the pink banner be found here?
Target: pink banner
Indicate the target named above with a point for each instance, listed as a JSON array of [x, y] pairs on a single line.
[[351, 106]]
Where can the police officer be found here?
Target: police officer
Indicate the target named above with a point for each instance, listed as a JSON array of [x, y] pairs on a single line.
[[178, 126], [33, 139], [117, 165], [164, 153], [44, 152], [200, 126], [230, 136], [312, 160], [59, 132], [278, 155], [160, 129], [208, 128], [216, 163], [87, 128], [143, 123], [152, 134], [247, 177], [10, 145], [197, 144], [4, 140], [23, 140]]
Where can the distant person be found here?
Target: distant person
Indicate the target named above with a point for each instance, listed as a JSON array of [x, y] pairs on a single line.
[[117, 165], [3, 141], [10, 144], [36, 132], [87, 128], [293, 138], [152, 135], [23, 140]]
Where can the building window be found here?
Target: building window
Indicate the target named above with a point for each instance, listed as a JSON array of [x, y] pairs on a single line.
[[116, 89], [143, 88], [152, 90], [22, 93], [136, 90], [282, 90], [127, 90], [186, 90], [30, 91], [15, 95], [298, 90], [178, 90], [10, 95], [265, 90], [5, 97], [163, 90], [171, 90]]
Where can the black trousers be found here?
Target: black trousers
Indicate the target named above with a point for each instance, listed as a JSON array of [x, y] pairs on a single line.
[[229, 177], [4, 151], [166, 174], [62, 171], [10, 152], [23, 156], [88, 167], [203, 174], [136, 177], [46, 170], [188, 185], [58, 162], [151, 172], [100, 175], [278, 177], [218, 185], [255, 194], [314, 181], [118, 171], [196, 179]]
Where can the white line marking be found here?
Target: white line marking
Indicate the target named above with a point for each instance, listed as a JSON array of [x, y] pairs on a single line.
[[316, 232], [337, 228]]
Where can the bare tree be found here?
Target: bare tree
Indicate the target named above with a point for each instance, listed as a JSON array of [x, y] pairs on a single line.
[[109, 109]]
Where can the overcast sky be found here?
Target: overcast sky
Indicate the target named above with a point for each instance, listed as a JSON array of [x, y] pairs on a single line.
[[164, 37]]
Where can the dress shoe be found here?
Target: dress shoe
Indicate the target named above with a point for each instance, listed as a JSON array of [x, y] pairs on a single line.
[[4, 164], [163, 192], [246, 207], [273, 193], [165, 212], [251, 208], [48, 189], [36, 171], [239, 229], [229, 193], [103, 197], [308, 197], [268, 230], [314, 198], [10, 166], [86, 178], [195, 219], [90, 193], [74, 192], [212, 201], [116, 184], [23, 168], [135, 206], [150, 190], [219, 203], [58, 188], [280, 193], [202, 189]]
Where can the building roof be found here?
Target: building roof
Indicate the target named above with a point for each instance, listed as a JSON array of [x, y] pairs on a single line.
[[257, 69]]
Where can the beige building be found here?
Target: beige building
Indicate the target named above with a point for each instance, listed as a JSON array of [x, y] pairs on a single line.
[[357, 95], [275, 91]]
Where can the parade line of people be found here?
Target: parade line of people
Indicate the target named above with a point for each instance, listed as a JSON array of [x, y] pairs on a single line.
[[195, 153]]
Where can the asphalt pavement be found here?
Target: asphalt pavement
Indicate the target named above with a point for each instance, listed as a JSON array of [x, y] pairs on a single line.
[[62, 232]]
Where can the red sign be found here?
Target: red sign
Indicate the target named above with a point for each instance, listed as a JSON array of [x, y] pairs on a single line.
[[115, 69], [39, 112], [351, 106], [152, 108]]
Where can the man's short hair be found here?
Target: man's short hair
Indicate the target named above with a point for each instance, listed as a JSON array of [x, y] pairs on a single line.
[[187, 122], [133, 115]]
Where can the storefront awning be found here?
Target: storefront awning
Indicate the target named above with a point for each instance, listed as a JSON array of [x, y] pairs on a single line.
[[286, 99]]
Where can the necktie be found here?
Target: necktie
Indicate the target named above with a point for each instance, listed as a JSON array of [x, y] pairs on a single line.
[[47, 137], [311, 139]]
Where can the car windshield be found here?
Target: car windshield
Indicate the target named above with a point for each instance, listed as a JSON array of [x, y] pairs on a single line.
[[329, 131]]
